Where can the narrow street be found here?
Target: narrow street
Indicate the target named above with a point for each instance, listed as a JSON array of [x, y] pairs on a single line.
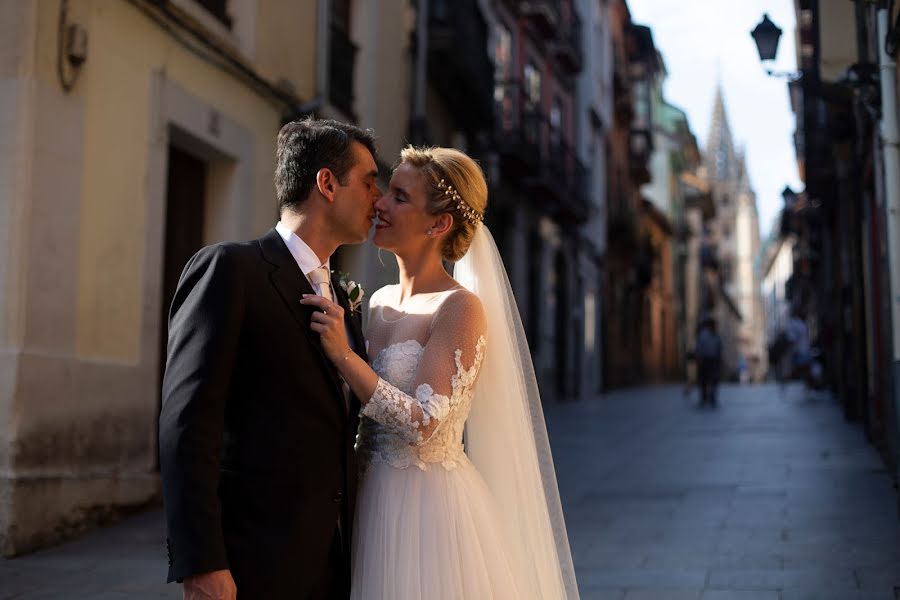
[[768, 497]]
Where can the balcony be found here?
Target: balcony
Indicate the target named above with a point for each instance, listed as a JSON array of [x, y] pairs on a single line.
[[542, 15], [459, 67], [569, 48], [567, 178], [516, 129], [343, 56], [532, 152]]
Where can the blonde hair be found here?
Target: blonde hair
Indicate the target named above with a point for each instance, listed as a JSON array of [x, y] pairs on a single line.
[[454, 184]]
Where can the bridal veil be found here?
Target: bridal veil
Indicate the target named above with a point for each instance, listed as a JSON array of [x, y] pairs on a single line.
[[506, 436]]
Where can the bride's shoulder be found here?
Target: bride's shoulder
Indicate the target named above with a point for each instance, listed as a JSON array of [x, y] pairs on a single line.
[[460, 303]]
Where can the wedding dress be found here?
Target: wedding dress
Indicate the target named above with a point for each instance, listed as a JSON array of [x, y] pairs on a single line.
[[428, 523]]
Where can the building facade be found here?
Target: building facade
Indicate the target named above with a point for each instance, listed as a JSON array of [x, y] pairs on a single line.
[[593, 124], [628, 262], [777, 269], [846, 220], [138, 132]]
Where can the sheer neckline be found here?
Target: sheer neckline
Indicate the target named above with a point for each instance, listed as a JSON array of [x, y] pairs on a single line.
[[415, 299]]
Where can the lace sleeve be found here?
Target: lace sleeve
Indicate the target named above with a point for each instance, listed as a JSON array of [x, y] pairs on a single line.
[[442, 379]]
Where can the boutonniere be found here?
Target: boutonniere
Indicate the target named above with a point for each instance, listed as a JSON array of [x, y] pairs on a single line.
[[355, 292]]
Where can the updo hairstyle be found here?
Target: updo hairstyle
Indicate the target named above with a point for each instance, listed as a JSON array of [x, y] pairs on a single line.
[[454, 184]]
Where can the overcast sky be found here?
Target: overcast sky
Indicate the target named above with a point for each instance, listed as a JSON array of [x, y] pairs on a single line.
[[703, 41]]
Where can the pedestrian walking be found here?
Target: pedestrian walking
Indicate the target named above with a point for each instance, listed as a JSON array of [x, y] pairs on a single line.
[[709, 361], [798, 334]]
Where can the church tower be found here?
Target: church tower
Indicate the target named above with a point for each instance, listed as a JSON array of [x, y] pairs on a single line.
[[720, 152], [735, 232]]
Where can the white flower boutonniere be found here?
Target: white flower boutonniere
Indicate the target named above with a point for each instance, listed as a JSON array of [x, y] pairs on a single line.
[[355, 291]]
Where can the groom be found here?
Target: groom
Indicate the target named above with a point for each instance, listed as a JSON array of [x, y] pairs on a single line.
[[257, 429]]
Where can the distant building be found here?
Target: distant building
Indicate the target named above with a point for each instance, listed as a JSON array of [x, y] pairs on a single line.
[[777, 269], [734, 232], [670, 200]]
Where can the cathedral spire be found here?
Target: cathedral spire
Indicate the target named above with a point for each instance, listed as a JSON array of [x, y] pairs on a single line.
[[720, 152]]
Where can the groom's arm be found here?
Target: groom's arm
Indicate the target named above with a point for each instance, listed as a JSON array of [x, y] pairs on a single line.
[[204, 327]]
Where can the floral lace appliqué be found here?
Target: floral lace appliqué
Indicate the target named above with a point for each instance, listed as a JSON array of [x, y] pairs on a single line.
[[395, 420]]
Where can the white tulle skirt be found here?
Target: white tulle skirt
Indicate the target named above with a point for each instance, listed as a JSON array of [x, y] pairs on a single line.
[[431, 534]]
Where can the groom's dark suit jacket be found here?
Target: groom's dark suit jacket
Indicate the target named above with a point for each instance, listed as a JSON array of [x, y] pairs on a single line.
[[256, 440]]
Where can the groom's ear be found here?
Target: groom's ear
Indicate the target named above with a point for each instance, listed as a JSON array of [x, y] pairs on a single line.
[[326, 183]]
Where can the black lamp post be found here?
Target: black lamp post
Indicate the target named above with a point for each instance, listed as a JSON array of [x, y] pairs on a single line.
[[766, 35]]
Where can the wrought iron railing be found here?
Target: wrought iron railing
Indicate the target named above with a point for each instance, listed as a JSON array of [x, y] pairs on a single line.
[[544, 156]]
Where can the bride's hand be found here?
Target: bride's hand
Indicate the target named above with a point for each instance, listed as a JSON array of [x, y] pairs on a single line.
[[328, 322]]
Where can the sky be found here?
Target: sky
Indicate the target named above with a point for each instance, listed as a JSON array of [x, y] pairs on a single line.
[[703, 41]]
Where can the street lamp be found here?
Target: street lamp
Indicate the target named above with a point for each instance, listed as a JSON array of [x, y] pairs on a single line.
[[766, 34]]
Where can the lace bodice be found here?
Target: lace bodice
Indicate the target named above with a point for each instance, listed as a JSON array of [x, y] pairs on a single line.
[[427, 354]]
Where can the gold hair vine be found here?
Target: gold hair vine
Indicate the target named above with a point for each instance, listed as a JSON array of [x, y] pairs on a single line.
[[471, 215]]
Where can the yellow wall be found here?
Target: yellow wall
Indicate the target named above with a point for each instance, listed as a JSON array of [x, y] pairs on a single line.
[[125, 50], [286, 43], [383, 74]]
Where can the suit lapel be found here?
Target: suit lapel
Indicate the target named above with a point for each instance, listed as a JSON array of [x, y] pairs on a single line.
[[291, 284]]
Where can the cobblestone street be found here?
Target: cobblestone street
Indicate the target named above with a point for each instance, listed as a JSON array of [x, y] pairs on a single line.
[[768, 497]]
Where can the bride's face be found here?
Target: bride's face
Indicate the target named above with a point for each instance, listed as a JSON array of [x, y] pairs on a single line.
[[403, 222]]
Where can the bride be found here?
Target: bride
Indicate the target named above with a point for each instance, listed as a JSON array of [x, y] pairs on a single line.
[[458, 496]]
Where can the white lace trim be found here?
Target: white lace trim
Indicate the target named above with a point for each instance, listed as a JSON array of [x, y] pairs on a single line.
[[393, 429]]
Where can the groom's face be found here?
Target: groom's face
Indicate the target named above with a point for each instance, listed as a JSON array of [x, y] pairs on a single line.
[[354, 203]]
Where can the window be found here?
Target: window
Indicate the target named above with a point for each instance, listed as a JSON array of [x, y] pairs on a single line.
[[532, 86], [556, 118], [721, 163], [342, 58]]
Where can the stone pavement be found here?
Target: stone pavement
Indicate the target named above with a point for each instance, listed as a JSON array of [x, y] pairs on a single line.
[[769, 497], [125, 561]]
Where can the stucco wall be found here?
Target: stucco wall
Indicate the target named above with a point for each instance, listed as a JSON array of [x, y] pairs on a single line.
[[82, 180]]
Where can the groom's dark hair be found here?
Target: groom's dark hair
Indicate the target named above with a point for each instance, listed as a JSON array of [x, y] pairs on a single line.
[[308, 145]]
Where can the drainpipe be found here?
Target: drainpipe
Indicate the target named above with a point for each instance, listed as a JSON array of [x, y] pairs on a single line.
[[890, 143]]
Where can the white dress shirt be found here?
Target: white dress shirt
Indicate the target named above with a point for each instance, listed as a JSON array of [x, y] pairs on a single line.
[[303, 254]]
